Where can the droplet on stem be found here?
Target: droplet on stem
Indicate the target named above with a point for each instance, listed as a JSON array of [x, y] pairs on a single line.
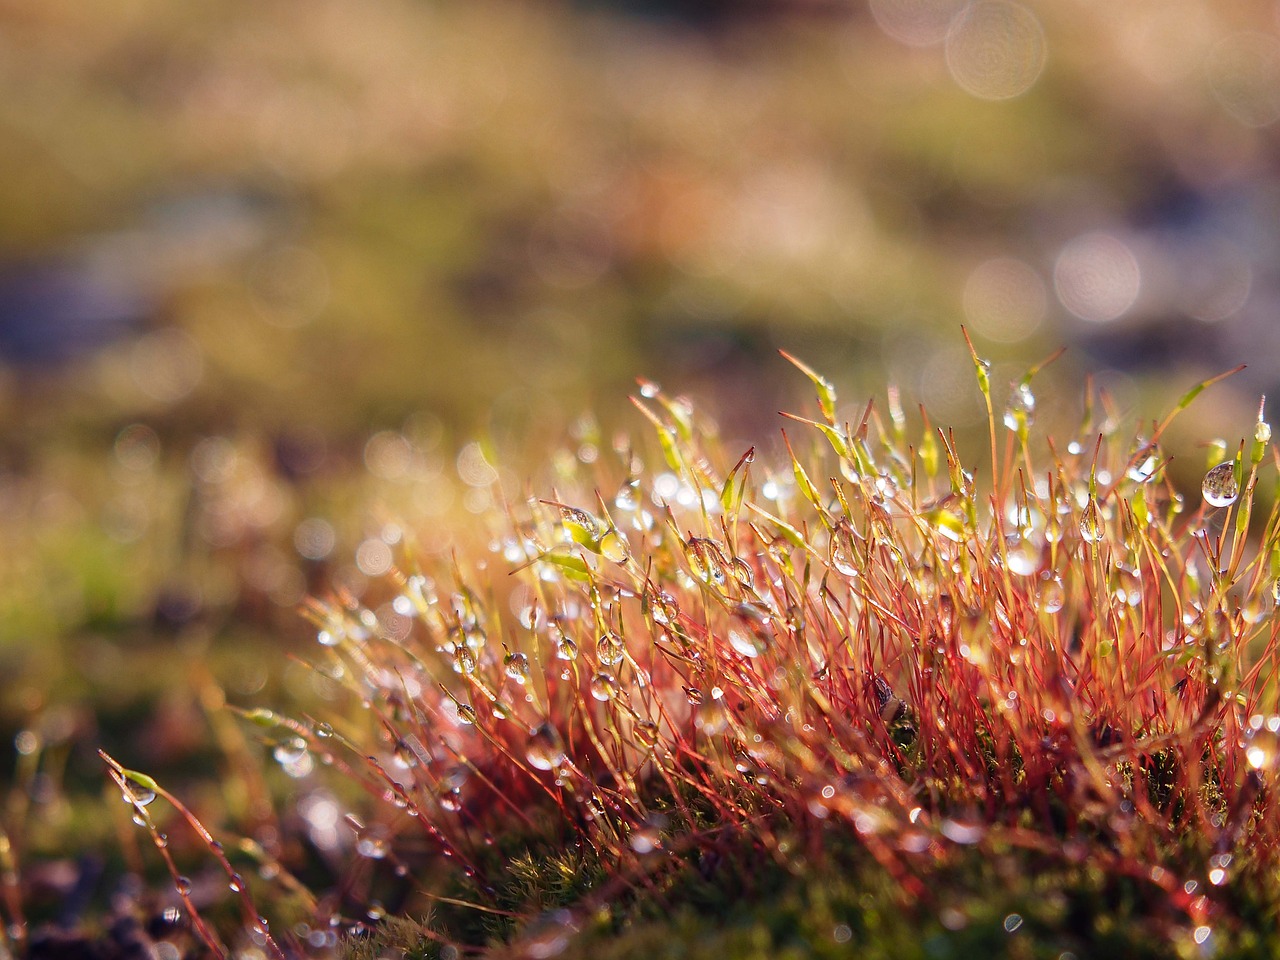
[[1220, 487], [545, 749], [1020, 411], [842, 553], [610, 649], [1091, 529], [604, 686]]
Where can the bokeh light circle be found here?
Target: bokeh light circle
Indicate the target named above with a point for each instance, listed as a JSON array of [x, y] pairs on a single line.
[[917, 23], [995, 49], [1005, 299], [1097, 277], [1243, 71]]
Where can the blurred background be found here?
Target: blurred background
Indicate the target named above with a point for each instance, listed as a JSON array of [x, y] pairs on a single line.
[[270, 270]]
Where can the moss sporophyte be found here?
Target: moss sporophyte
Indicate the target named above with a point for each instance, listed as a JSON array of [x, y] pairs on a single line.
[[867, 644]]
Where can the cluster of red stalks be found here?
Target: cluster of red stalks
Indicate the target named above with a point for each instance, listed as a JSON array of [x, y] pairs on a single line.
[[1061, 656]]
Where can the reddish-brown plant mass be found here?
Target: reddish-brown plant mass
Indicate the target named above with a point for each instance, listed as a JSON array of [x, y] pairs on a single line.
[[1062, 656]]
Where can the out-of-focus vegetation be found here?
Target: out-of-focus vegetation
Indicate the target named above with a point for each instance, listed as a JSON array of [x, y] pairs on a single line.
[[268, 269]]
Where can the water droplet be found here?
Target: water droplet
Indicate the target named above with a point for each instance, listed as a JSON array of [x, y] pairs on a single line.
[[581, 526], [1128, 588], [467, 713], [464, 661], [545, 749], [566, 649], [138, 795], [662, 606], [712, 717], [1012, 922], [842, 549], [549, 936], [646, 732], [183, 886], [645, 840], [1142, 466], [1220, 487], [742, 572], [289, 752], [610, 649], [749, 632], [707, 560], [236, 883], [516, 666], [1021, 409], [374, 842], [451, 800], [626, 498], [1261, 741], [1091, 528], [1023, 558], [604, 686], [613, 546], [1051, 595]]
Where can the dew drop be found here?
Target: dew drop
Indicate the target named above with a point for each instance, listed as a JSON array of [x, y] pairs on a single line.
[[712, 717], [662, 606], [1261, 741], [516, 666], [604, 686], [581, 526], [749, 632], [1220, 487], [545, 749], [1091, 529], [842, 550], [645, 840], [626, 498], [467, 713], [742, 572], [1128, 588], [1023, 559], [373, 842], [1142, 466], [289, 752], [646, 732], [706, 560], [1051, 595], [451, 800], [613, 546], [138, 795], [1020, 411], [464, 661], [610, 649], [183, 886]]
